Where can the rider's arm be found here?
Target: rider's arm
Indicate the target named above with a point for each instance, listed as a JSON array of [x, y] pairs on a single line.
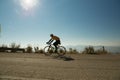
[[50, 41]]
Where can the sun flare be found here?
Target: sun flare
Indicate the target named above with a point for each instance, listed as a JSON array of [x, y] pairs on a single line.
[[28, 4]]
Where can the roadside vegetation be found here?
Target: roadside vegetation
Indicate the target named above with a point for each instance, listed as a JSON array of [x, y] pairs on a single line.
[[13, 47], [91, 50]]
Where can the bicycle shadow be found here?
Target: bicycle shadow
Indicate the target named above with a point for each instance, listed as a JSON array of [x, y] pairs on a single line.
[[65, 58]]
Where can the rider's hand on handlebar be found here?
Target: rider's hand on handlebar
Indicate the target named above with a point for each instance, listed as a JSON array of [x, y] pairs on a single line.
[[47, 42]]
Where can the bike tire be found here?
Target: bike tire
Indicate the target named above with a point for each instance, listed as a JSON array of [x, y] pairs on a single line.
[[48, 50], [61, 50]]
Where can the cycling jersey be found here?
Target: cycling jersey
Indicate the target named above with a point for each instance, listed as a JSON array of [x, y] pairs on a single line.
[[55, 38]]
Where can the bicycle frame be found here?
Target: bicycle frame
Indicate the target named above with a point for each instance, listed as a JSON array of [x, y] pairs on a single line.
[[61, 50]]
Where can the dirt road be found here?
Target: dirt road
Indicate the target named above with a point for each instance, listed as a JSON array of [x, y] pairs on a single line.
[[25, 66]]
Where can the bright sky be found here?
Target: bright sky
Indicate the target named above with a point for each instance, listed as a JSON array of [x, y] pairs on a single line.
[[76, 22]]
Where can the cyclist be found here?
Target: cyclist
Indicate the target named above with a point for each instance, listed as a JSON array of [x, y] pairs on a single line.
[[57, 41]]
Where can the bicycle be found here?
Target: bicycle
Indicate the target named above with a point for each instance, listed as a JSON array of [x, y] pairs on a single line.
[[50, 49]]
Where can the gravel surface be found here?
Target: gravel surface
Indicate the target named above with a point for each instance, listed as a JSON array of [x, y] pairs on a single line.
[[30, 66]]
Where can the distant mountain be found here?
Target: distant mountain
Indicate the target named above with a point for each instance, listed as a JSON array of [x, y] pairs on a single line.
[[112, 49]]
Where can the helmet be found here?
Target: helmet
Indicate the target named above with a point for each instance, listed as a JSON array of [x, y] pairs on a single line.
[[51, 34]]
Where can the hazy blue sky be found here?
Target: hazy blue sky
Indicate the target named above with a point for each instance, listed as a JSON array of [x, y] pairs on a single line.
[[76, 22]]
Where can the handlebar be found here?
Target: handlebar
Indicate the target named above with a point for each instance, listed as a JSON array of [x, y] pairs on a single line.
[[48, 43]]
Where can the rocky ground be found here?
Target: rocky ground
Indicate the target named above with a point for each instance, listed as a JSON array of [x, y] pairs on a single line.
[[25, 66]]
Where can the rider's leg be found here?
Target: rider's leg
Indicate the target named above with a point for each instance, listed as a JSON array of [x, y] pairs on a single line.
[[55, 44]]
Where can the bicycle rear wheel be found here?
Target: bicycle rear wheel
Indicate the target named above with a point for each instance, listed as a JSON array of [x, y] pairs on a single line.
[[61, 50], [48, 50]]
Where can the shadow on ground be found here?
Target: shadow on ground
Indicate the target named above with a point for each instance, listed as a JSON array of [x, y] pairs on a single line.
[[65, 58]]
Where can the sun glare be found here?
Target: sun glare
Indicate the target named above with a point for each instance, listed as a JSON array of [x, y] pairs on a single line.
[[28, 4], [27, 7]]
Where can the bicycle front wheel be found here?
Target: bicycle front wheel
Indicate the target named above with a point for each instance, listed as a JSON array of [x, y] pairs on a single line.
[[61, 50], [48, 50]]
